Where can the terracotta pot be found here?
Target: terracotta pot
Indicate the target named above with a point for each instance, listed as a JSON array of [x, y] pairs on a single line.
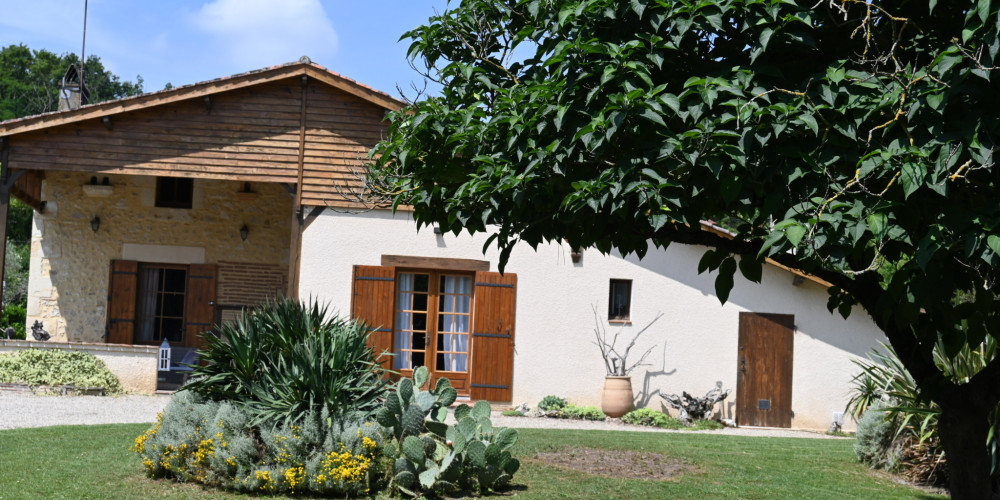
[[617, 398]]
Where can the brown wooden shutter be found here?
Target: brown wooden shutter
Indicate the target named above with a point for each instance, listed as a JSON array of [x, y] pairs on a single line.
[[493, 336], [199, 310], [372, 302], [121, 301]]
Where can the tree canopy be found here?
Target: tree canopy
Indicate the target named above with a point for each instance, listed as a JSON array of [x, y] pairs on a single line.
[[30, 79], [850, 139]]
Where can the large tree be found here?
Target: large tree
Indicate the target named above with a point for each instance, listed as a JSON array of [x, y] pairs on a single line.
[[850, 139], [30, 80]]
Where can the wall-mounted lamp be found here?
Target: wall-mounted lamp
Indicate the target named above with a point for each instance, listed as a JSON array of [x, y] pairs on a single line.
[[95, 223], [244, 232], [437, 228], [575, 255]]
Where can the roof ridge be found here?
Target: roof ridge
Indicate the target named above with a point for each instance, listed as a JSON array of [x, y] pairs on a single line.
[[304, 62]]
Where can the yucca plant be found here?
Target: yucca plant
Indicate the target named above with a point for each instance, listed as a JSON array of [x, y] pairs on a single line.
[[287, 358], [883, 378]]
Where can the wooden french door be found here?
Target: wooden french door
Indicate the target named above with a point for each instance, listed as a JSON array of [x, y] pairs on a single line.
[[764, 371], [433, 320]]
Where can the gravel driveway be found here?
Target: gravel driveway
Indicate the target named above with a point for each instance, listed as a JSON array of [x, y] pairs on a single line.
[[19, 410]]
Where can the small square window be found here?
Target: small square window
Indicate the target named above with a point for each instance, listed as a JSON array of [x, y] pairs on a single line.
[[174, 192], [620, 300]]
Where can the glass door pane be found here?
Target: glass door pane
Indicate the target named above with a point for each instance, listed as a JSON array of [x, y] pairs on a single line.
[[454, 313], [410, 343]]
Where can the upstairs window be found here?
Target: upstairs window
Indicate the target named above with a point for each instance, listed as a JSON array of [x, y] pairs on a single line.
[[174, 192], [620, 300]]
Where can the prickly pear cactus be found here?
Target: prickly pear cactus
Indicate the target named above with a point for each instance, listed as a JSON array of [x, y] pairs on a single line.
[[432, 455]]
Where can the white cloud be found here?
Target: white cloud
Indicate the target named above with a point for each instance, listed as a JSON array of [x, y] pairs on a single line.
[[258, 33]]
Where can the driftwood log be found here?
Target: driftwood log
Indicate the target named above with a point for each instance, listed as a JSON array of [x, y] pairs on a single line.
[[691, 408]]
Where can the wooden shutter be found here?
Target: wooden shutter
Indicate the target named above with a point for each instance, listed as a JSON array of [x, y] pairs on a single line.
[[121, 301], [493, 336], [199, 310], [372, 302]]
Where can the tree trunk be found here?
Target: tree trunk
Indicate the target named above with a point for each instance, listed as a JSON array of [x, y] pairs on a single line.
[[963, 426]]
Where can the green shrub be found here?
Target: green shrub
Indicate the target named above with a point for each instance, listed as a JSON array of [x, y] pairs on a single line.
[[583, 412], [14, 316], [512, 413], [874, 439], [433, 457], [215, 443], [287, 359], [552, 403], [57, 367], [651, 418]]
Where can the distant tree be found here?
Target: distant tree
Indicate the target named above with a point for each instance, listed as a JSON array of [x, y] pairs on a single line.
[[29, 81], [29, 85]]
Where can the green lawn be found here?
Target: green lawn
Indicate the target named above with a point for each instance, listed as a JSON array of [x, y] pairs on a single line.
[[95, 462]]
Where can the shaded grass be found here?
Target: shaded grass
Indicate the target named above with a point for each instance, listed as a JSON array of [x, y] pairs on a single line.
[[95, 462]]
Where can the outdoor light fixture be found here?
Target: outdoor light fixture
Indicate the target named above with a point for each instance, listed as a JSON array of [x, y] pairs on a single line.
[[244, 232], [95, 223]]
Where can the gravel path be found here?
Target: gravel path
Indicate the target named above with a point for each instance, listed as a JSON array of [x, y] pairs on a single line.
[[27, 410], [19, 410]]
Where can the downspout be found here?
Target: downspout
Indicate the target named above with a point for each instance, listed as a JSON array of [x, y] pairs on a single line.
[[297, 219]]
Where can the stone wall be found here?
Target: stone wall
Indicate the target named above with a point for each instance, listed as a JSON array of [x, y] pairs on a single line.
[[68, 281]]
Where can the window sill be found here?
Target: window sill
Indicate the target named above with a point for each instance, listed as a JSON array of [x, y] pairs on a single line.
[[620, 321]]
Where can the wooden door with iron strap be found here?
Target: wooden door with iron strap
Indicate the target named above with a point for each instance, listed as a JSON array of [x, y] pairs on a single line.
[[764, 371]]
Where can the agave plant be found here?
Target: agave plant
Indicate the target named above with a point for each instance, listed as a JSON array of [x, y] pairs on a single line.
[[287, 358]]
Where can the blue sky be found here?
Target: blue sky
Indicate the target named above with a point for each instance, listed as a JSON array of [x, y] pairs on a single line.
[[188, 41]]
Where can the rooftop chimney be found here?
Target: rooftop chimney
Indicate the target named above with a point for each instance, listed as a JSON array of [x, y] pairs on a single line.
[[71, 94]]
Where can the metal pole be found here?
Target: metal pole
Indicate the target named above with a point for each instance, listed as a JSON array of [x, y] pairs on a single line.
[[83, 55]]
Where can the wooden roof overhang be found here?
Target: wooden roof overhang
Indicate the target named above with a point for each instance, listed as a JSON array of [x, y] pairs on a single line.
[[298, 124]]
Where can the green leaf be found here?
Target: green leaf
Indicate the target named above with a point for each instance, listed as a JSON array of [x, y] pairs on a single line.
[[730, 188], [994, 243], [878, 223], [672, 102], [928, 246], [912, 177], [639, 6], [765, 37], [710, 261], [752, 269], [844, 309], [724, 281], [653, 116], [810, 122], [794, 233]]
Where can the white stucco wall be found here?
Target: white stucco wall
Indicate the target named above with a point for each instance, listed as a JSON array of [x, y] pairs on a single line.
[[695, 341]]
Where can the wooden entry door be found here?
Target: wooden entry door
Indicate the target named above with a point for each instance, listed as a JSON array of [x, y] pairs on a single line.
[[764, 371]]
